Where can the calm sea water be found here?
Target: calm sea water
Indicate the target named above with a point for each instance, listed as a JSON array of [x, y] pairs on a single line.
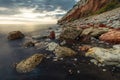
[[12, 52], [5, 28]]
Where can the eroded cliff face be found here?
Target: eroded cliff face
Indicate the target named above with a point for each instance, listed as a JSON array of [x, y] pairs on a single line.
[[84, 8]]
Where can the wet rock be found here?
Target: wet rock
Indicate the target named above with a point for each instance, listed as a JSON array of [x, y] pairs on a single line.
[[41, 45], [106, 56], [70, 33], [37, 37], [94, 61], [102, 25], [64, 52], [113, 36], [15, 35], [29, 44], [63, 43], [29, 64], [84, 48], [52, 35], [51, 46]]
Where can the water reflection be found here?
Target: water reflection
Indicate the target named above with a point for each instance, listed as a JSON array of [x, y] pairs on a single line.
[[5, 28]]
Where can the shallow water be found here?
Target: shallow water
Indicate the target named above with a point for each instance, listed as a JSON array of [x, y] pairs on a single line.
[[12, 52]]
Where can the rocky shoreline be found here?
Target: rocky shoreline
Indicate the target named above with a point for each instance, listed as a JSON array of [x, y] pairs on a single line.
[[87, 48], [82, 46]]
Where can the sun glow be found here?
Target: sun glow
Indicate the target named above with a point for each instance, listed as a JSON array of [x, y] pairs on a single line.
[[27, 13], [29, 16]]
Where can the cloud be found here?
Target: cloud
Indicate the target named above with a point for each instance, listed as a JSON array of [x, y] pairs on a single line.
[[34, 9]]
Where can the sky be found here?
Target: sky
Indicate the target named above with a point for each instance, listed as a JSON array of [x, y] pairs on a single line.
[[33, 11]]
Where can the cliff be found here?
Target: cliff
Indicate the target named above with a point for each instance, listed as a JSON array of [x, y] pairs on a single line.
[[85, 8]]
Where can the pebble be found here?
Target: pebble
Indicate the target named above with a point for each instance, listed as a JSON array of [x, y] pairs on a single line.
[[78, 71], [75, 59], [70, 71], [61, 59], [94, 61], [104, 70], [55, 60]]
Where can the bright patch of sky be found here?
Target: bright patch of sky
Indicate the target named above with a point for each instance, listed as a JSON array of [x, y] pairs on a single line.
[[33, 11]]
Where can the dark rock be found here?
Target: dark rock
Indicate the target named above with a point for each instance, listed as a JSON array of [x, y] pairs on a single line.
[[52, 35], [85, 39], [29, 44], [15, 35]]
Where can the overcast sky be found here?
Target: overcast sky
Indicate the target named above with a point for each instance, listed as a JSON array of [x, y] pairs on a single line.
[[38, 11]]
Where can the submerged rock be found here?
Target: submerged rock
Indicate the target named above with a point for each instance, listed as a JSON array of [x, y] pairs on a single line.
[[37, 37], [113, 36], [15, 35], [29, 44], [52, 35], [106, 56], [64, 52], [29, 64]]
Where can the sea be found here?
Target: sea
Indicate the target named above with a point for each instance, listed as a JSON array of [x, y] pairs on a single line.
[[12, 52]]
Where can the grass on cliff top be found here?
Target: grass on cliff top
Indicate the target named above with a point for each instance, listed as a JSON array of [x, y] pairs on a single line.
[[109, 6]]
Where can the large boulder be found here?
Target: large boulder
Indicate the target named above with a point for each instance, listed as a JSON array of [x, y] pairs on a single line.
[[70, 34], [113, 36], [15, 35], [106, 56], [29, 64], [94, 31], [64, 52]]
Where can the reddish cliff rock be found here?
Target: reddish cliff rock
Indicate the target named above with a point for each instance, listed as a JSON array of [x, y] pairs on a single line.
[[84, 8], [113, 36]]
